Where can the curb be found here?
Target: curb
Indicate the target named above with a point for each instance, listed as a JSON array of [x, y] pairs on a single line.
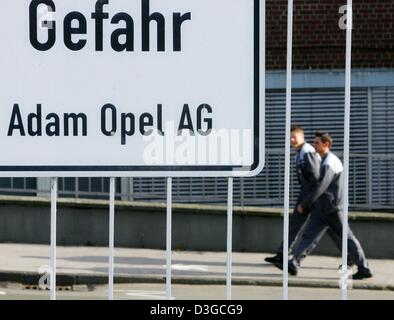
[[31, 278]]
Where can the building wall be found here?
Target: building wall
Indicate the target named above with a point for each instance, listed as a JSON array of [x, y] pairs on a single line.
[[318, 41]]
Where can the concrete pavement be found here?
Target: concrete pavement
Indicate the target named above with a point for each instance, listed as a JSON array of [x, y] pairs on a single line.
[[27, 263]]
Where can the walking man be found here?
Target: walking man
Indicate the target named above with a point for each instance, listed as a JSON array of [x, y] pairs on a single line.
[[308, 170], [326, 204]]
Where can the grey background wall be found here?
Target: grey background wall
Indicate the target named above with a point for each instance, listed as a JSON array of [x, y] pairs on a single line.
[[142, 225]]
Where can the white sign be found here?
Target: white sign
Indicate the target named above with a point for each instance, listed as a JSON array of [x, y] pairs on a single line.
[[131, 88]]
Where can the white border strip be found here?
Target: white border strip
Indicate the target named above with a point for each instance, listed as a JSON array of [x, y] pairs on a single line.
[[345, 225]]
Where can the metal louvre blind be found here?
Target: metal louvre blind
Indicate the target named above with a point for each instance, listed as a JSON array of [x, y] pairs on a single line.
[[18, 186], [204, 190], [383, 120], [382, 146], [149, 188], [92, 188], [320, 109]]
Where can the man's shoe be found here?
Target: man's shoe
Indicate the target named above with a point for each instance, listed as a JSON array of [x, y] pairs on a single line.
[[279, 264], [293, 270], [274, 259], [350, 265], [362, 274]]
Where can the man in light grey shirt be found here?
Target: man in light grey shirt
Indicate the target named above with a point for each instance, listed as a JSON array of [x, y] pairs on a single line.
[[326, 204], [307, 164]]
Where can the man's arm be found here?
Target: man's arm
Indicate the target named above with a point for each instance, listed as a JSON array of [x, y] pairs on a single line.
[[325, 181], [312, 170], [312, 167]]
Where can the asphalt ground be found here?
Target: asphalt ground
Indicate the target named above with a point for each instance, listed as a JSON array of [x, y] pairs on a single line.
[[149, 291]]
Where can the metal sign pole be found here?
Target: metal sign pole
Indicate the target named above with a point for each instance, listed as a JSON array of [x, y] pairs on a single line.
[[287, 150], [349, 25], [53, 237], [168, 235], [229, 235], [111, 238]]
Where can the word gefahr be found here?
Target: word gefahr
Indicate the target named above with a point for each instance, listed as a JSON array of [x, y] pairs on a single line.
[[75, 28]]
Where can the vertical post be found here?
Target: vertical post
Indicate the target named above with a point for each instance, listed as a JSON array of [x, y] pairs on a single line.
[[131, 189], [346, 148], [287, 149], [111, 238], [229, 235], [53, 237], [262, 78], [168, 235], [369, 149], [77, 187]]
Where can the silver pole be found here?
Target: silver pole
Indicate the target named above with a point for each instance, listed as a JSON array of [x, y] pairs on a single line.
[[111, 238], [349, 24], [287, 150], [168, 235], [229, 235], [53, 237], [370, 149]]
